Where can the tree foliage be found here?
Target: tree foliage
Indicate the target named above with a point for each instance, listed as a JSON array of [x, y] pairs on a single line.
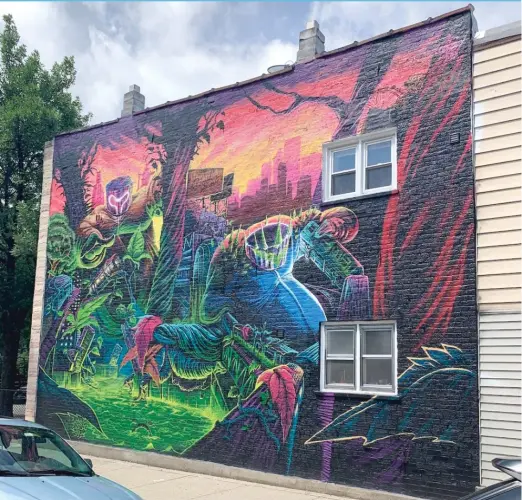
[[35, 105]]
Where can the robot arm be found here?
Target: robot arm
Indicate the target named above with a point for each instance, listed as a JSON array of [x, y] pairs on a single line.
[[94, 244], [89, 225], [328, 255], [322, 241]]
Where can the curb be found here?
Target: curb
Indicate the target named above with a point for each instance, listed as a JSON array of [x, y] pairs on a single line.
[[218, 470]]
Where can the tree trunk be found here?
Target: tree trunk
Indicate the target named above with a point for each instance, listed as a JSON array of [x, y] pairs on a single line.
[[179, 140], [11, 341], [72, 183], [9, 355], [11, 338]]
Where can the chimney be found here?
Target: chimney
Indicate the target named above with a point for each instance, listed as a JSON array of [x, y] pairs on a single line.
[[133, 101], [311, 42]]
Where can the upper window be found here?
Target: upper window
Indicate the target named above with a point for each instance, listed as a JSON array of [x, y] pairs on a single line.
[[360, 165], [358, 357]]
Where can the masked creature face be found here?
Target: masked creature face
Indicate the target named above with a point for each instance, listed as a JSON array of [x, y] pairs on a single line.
[[119, 195], [267, 245]]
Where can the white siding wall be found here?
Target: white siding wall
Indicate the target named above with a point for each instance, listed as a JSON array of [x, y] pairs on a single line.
[[500, 390], [498, 126], [498, 172]]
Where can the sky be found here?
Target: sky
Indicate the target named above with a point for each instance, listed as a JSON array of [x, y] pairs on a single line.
[[176, 49]]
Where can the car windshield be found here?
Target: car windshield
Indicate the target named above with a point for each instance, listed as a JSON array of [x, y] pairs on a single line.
[[37, 452]]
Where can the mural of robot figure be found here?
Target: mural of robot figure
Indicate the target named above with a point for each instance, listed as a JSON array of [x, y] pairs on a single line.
[[112, 225], [250, 282], [260, 279]]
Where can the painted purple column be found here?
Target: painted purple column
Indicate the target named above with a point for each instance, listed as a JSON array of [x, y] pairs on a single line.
[[326, 406]]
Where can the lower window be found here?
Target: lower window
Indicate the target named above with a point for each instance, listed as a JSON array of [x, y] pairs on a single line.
[[359, 357]]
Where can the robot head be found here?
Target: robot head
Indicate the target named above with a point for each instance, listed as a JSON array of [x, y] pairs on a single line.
[[119, 195], [267, 244]]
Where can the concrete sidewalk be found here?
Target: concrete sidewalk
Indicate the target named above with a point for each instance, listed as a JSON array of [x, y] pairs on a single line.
[[153, 483]]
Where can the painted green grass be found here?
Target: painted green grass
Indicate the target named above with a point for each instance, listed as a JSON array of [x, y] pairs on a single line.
[[153, 424]]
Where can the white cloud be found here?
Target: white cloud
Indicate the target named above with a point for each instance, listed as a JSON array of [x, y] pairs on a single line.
[[175, 49], [344, 22], [170, 57]]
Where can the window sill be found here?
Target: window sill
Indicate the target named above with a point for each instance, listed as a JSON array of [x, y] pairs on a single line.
[[358, 395], [357, 198]]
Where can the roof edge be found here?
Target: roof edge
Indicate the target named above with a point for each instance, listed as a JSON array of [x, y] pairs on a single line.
[[497, 36], [430, 20], [265, 76]]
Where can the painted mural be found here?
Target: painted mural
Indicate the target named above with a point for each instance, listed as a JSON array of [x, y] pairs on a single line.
[[191, 261]]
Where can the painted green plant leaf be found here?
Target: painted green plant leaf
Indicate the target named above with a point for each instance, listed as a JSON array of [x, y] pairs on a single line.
[[154, 210], [253, 367], [83, 317], [136, 246], [233, 392], [264, 398], [121, 312], [89, 307]]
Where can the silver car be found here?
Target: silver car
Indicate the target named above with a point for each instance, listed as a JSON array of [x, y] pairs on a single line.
[[36, 463], [508, 489]]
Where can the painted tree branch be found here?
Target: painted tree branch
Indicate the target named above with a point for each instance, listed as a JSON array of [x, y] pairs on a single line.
[[209, 125], [346, 111]]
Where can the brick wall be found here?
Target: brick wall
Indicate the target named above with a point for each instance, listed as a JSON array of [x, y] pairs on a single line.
[[163, 304]]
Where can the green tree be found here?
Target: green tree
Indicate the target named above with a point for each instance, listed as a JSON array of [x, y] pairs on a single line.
[[35, 105]]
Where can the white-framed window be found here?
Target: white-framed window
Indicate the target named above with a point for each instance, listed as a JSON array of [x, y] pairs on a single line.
[[359, 357], [361, 165]]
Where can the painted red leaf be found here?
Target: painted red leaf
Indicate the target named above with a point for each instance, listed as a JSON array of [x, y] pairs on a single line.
[[149, 357], [151, 353], [131, 354], [280, 383], [144, 332], [264, 378], [152, 369], [246, 332]]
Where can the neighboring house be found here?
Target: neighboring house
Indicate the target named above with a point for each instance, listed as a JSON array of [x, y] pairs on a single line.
[[283, 270], [498, 172]]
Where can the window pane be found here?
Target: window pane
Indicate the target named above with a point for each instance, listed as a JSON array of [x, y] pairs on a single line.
[[377, 341], [52, 456], [343, 183], [379, 152], [377, 371], [339, 341], [344, 160], [378, 177], [340, 372]]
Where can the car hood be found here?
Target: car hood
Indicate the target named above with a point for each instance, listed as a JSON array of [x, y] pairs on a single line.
[[62, 488]]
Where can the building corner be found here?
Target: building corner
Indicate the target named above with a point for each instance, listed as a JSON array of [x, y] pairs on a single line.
[[39, 287]]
